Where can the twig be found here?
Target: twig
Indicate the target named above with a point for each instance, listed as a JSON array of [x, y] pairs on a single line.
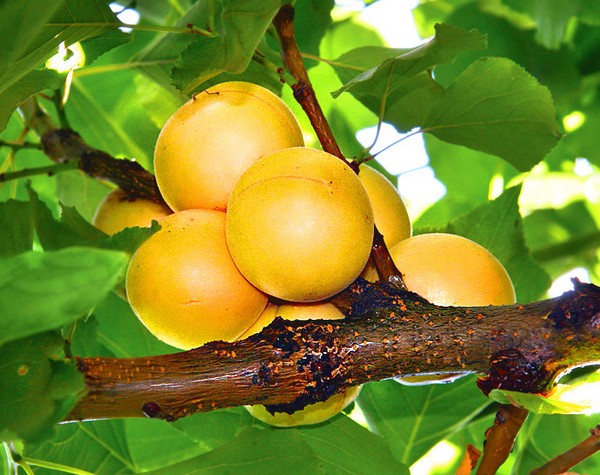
[[49, 170], [21, 145], [305, 95], [572, 457], [500, 438]]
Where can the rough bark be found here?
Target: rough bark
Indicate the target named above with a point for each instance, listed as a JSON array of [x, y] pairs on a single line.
[[387, 332]]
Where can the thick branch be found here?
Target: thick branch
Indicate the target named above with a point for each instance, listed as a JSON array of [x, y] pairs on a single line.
[[387, 332]]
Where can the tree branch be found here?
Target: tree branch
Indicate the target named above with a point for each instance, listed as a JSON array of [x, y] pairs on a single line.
[[500, 438], [387, 332], [66, 145], [572, 457]]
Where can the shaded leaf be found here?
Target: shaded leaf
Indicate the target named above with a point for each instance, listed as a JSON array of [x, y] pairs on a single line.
[[37, 387], [96, 446], [16, 228], [413, 419], [40, 291], [244, 23], [496, 107]]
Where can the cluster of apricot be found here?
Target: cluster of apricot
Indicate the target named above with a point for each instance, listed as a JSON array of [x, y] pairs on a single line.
[[258, 226]]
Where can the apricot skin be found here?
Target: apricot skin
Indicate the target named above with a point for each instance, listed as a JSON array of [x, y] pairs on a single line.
[[300, 225], [212, 139], [184, 287], [391, 216], [447, 269], [313, 413], [117, 211]]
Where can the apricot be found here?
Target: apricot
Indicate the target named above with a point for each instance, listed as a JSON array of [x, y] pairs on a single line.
[[300, 224], [207, 144], [389, 210], [447, 269], [185, 288], [118, 211], [313, 413]]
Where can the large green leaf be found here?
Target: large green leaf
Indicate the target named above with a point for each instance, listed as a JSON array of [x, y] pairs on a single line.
[[338, 446], [415, 418], [448, 42], [37, 387], [496, 107], [40, 291], [244, 23]]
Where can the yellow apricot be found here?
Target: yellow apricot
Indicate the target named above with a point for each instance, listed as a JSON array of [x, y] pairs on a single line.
[[118, 211], [184, 287], [300, 224], [447, 269], [313, 413], [391, 217], [207, 144]]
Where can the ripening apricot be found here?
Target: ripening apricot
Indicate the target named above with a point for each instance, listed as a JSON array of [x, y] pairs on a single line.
[[212, 139], [300, 224], [447, 269], [118, 211], [184, 286], [391, 217], [313, 413]]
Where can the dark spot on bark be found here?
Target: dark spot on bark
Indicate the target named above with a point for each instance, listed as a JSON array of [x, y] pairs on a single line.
[[511, 370], [263, 376], [152, 410]]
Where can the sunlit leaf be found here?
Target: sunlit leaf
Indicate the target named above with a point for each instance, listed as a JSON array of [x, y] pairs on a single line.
[[448, 42], [495, 106], [37, 388], [31, 34], [582, 397], [243, 24], [40, 291]]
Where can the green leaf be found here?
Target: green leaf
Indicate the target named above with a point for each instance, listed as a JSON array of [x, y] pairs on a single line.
[[37, 387], [244, 23], [415, 418], [448, 42], [98, 447], [40, 291], [496, 107], [31, 33], [339, 446], [498, 227], [582, 397], [32, 83], [16, 228]]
